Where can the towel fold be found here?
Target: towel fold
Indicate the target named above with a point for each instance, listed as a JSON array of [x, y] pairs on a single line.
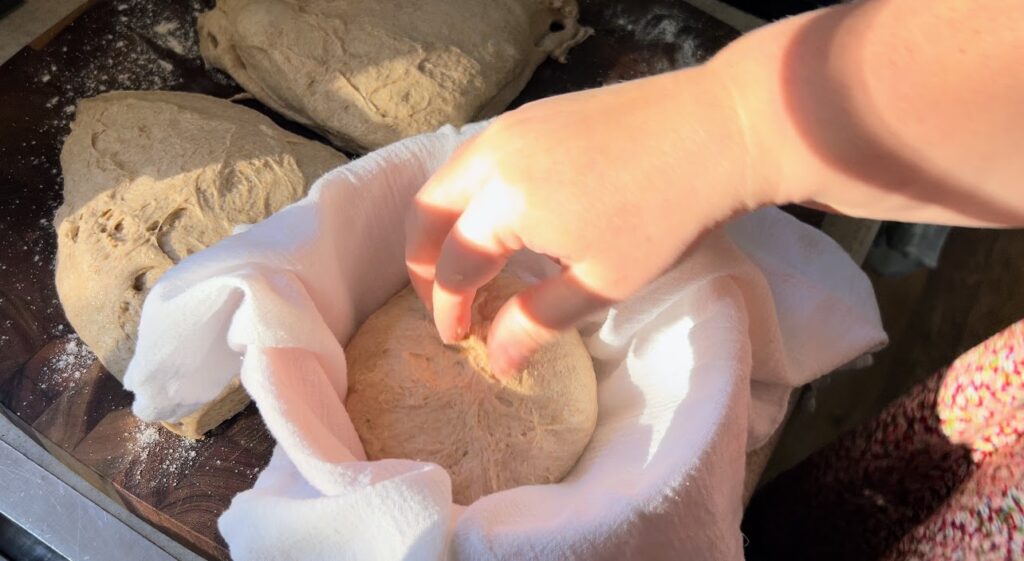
[[693, 371]]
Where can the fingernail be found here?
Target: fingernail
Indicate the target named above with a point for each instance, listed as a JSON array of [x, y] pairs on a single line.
[[500, 369], [462, 324], [451, 337], [503, 364]]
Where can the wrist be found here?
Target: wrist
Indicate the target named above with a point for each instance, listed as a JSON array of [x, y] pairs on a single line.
[[757, 184], [701, 121], [754, 70]]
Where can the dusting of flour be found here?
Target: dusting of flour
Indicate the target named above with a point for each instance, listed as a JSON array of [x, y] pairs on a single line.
[[159, 457], [138, 56], [67, 365]]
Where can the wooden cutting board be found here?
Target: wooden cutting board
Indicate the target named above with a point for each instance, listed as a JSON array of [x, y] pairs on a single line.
[[50, 384]]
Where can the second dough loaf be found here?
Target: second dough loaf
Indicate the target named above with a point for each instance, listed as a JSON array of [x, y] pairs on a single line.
[[149, 178], [366, 73]]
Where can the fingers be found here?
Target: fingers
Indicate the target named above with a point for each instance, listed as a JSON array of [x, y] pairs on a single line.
[[461, 270], [434, 212], [535, 317], [426, 229], [459, 235], [474, 252]]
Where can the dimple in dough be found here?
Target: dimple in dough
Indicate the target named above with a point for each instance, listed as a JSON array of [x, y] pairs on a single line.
[[410, 396]]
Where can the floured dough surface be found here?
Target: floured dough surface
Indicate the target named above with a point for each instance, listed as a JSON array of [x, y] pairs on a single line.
[[410, 396], [366, 73], [152, 177]]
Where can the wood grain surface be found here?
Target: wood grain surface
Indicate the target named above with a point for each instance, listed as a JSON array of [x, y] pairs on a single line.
[[50, 384]]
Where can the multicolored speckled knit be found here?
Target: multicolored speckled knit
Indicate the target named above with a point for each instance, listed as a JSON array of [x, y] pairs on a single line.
[[980, 404], [938, 475]]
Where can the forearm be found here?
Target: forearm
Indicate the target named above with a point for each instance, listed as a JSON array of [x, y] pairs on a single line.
[[908, 110]]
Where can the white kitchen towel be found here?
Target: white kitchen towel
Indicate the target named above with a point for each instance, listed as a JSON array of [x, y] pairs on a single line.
[[692, 372]]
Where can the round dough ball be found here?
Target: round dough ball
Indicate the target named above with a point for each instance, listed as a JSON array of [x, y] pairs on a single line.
[[411, 396]]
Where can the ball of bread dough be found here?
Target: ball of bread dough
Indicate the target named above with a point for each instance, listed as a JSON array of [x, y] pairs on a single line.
[[365, 73], [150, 178], [410, 396]]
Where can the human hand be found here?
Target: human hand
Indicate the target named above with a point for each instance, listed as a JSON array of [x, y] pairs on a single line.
[[841, 108], [615, 184]]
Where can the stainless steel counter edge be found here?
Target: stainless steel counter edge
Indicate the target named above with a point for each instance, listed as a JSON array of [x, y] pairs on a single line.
[[60, 508]]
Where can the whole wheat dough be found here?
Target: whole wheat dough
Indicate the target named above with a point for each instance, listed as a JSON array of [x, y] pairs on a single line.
[[366, 73], [149, 178], [410, 396]]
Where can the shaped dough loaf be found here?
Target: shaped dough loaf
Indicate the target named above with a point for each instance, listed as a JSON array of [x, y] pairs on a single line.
[[366, 73], [149, 178], [410, 396]]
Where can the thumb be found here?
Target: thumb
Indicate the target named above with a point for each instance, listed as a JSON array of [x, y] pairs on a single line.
[[535, 317]]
